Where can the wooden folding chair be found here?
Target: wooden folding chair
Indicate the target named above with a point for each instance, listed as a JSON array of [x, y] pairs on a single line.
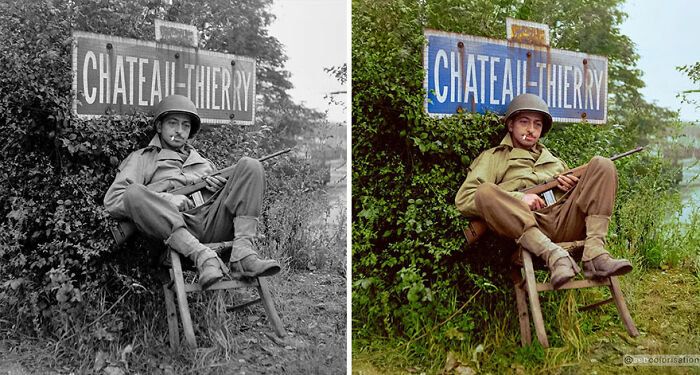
[[177, 287], [527, 288]]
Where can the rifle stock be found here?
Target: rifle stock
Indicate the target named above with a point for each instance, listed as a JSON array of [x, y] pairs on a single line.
[[477, 228], [122, 230]]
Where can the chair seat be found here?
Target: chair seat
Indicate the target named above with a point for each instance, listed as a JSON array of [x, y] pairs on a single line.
[[176, 290], [527, 288]]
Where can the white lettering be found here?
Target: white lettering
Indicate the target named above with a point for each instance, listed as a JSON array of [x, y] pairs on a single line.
[[559, 85], [567, 69], [552, 86], [599, 87], [207, 87], [507, 82], [131, 60], [199, 87], [90, 94], [246, 88], [119, 83], [493, 79], [471, 80], [142, 80], [589, 90], [483, 59], [541, 67], [214, 86], [225, 86], [520, 89], [238, 83], [172, 79], [104, 79], [455, 74], [440, 95], [578, 80], [189, 68], [155, 82]]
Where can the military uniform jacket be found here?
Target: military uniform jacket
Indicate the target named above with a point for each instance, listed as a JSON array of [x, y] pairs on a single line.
[[510, 168], [160, 169]]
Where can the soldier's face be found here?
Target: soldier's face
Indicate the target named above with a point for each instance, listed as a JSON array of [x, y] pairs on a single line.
[[174, 130], [525, 129]]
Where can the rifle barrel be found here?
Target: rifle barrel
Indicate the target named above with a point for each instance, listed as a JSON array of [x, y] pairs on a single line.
[[613, 158]]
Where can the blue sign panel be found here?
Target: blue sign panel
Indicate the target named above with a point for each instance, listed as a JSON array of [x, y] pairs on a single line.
[[465, 73]]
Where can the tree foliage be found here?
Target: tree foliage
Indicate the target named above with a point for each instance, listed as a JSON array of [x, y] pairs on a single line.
[[693, 72]]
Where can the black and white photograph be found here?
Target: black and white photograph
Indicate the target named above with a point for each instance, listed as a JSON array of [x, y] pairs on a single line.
[[174, 187]]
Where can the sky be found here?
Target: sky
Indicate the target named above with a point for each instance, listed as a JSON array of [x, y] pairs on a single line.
[[315, 36], [666, 35]]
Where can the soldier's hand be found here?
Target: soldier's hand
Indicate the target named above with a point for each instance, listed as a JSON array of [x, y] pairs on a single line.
[[534, 201], [182, 202], [214, 183], [567, 182]]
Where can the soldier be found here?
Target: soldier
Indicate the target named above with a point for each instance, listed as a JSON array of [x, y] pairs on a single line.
[[582, 210], [231, 207]]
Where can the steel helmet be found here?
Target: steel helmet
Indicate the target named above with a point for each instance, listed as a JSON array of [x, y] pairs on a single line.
[[178, 104], [530, 102]]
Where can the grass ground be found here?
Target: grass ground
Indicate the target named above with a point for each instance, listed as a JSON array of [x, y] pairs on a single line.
[[664, 304], [312, 306]]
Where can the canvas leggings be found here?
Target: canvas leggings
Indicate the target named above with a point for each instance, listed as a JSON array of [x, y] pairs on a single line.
[[211, 222], [562, 221]]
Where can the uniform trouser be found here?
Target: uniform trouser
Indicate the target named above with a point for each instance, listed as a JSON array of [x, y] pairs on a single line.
[[562, 221], [211, 222]]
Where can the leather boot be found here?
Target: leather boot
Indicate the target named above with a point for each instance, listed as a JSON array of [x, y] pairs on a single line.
[[597, 262], [209, 266], [561, 265], [244, 259]]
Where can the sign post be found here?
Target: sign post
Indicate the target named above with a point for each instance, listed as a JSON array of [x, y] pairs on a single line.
[[120, 75], [466, 73]]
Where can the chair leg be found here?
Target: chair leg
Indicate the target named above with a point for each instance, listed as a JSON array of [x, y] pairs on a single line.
[[269, 305], [179, 285], [530, 283], [171, 311], [521, 303], [622, 307]]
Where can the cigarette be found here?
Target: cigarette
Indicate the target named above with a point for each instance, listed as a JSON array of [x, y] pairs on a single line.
[[172, 138], [524, 136]]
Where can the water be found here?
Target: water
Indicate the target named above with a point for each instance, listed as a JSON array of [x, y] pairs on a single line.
[[690, 187], [337, 188]]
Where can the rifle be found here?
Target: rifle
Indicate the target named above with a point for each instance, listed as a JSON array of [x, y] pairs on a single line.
[[477, 228], [122, 230], [226, 172]]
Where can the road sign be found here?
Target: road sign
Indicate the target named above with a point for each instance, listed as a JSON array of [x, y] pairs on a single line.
[[466, 73], [528, 32], [176, 33], [119, 75]]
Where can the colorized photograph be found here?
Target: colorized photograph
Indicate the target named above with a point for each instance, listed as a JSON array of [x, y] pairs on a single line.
[[524, 187]]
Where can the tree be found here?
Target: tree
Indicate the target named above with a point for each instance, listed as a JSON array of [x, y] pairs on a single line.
[[693, 72]]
